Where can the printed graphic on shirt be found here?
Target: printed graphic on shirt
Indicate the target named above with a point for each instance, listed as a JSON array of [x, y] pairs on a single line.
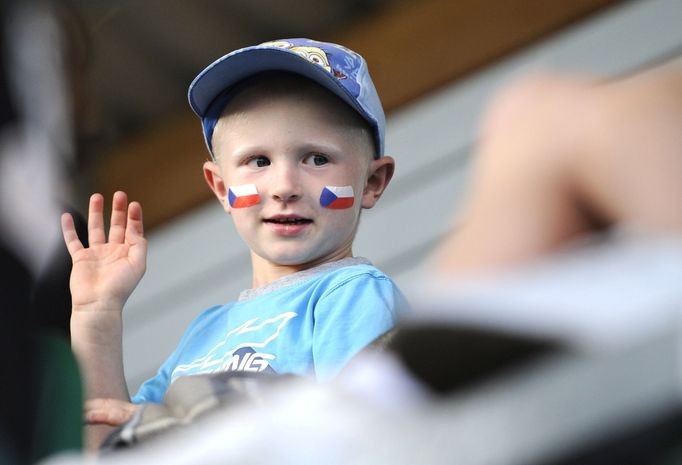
[[241, 349], [337, 197], [247, 359], [245, 195]]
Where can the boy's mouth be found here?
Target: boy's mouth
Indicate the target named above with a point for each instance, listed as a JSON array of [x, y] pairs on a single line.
[[286, 219]]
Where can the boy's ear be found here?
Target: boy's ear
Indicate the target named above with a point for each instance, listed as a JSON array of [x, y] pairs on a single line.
[[379, 175], [214, 179]]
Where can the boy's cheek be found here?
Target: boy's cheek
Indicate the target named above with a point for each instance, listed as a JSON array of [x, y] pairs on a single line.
[[243, 196], [339, 218], [337, 197]]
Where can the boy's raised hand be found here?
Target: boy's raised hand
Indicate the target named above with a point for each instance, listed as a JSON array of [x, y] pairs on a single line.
[[105, 273], [103, 276]]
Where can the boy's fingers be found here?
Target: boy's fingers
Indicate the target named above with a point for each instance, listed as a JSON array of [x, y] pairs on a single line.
[[108, 411], [135, 233], [73, 243], [96, 220], [106, 417], [118, 217], [135, 227]]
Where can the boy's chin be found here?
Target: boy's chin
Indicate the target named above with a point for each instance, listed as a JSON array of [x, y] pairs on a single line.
[[286, 258], [296, 260], [304, 256]]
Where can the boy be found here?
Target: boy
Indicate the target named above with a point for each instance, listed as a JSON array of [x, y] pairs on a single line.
[[295, 130]]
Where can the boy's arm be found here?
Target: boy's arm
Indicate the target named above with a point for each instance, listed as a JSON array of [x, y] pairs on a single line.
[[102, 278]]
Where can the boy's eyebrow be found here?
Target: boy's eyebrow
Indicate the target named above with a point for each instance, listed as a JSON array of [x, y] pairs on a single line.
[[245, 150], [322, 146], [305, 147]]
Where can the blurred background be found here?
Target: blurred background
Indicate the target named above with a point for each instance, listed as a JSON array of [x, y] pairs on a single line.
[[435, 63]]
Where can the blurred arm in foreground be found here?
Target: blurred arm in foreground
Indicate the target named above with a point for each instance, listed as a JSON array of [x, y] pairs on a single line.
[[560, 157]]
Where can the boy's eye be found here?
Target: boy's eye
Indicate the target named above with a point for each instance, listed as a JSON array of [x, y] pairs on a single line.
[[258, 162], [316, 159]]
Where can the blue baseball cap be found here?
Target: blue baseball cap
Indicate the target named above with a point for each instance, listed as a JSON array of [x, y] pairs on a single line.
[[334, 67]]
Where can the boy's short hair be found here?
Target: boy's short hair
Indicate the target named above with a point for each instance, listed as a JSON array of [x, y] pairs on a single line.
[[336, 68]]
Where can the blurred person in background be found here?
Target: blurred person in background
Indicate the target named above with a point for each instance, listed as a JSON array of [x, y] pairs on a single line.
[[41, 59]]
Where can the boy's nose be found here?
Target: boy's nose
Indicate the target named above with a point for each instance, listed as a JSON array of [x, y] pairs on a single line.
[[285, 185]]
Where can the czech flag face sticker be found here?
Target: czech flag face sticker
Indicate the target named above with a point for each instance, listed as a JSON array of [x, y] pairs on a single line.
[[243, 196], [337, 197]]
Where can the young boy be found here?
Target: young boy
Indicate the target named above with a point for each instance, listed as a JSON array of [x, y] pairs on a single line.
[[295, 130]]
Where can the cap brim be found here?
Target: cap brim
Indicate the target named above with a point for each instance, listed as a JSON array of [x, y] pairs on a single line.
[[232, 68]]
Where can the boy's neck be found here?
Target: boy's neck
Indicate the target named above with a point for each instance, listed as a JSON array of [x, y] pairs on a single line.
[[265, 272]]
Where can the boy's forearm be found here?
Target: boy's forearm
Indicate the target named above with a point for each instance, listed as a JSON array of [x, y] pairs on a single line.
[[96, 340]]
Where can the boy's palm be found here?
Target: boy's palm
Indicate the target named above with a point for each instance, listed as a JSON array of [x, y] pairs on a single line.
[[109, 271], [106, 272]]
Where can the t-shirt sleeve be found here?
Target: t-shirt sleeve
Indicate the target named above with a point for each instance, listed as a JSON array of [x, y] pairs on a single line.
[[349, 317], [155, 388]]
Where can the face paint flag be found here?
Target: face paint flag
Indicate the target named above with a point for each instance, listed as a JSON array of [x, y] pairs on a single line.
[[337, 197], [243, 196]]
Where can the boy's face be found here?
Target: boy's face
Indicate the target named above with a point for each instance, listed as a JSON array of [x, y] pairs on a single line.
[[290, 144]]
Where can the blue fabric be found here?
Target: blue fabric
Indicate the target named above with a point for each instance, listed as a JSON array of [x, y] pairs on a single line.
[[311, 328]]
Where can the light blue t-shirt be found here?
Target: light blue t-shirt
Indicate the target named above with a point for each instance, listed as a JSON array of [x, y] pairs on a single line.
[[307, 323]]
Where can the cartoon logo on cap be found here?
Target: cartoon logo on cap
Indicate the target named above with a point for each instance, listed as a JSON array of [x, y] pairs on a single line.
[[313, 54]]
